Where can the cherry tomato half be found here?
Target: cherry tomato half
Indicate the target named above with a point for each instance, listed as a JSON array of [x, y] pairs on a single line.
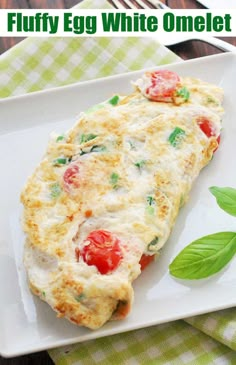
[[71, 176], [103, 251], [207, 128], [163, 85], [146, 260]]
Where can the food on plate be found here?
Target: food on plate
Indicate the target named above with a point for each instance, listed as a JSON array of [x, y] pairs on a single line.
[[102, 202]]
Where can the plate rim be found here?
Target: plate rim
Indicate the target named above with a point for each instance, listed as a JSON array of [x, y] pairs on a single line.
[[112, 331]]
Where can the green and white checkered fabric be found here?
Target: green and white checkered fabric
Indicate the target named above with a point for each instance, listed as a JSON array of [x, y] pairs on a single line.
[[41, 63], [174, 343]]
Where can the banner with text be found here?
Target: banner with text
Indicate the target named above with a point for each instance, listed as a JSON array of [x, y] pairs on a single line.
[[97, 22]]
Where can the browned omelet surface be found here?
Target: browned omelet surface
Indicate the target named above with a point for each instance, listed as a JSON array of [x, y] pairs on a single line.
[[126, 168]]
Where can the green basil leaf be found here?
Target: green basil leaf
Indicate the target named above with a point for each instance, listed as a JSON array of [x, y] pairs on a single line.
[[152, 244], [140, 164], [132, 145], [184, 93], [87, 137], [226, 199], [150, 210], [114, 178], [60, 161], [176, 137], [55, 190], [114, 100], [205, 256], [60, 138], [95, 148], [80, 297], [150, 200], [98, 148]]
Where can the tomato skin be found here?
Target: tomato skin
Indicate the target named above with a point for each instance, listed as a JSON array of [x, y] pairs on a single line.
[[207, 128], [71, 176], [163, 85], [103, 251], [146, 260]]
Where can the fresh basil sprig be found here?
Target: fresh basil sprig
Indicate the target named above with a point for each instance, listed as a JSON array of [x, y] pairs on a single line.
[[226, 199], [205, 256], [208, 255]]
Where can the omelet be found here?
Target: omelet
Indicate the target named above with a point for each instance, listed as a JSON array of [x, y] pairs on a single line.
[[103, 200]]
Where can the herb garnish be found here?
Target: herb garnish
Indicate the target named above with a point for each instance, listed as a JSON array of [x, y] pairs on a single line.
[[226, 199], [60, 138], [151, 201], [205, 256], [114, 178], [208, 255], [87, 137], [140, 164], [176, 137], [55, 190], [114, 100], [132, 145], [80, 297], [184, 93], [61, 161], [95, 148], [153, 243]]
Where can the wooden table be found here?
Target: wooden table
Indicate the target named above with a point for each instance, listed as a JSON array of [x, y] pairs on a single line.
[[186, 50]]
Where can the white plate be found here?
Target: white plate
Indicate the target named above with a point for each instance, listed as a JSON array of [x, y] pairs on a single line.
[[29, 325], [218, 4]]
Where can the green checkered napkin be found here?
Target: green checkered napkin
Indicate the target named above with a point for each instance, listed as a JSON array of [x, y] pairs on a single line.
[[41, 63]]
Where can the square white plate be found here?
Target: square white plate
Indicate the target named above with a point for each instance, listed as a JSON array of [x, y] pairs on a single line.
[[29, 325], [218, 4]]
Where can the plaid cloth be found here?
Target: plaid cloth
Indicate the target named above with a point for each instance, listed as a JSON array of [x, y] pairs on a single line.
[[41, 63]]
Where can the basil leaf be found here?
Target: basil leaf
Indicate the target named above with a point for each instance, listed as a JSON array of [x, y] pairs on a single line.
[[60, 161], [98, 148], [132, 145], [150, 200], [80, 297], [87, 137], [226, 199], [95, 148], [140, 164], [176, 137], [184, 93], [55, 190], [60, 138], [114, 100], [205, 256], [114, 178], [150, 210], [152, 244]]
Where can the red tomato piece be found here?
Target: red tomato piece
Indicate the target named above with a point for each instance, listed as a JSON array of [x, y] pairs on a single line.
[[146, 260], [103, 251], [163, 85], [71, 176], [208, 129], [206, 126]]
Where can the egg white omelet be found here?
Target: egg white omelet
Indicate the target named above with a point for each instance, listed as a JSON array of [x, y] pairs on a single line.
[[102, 202]]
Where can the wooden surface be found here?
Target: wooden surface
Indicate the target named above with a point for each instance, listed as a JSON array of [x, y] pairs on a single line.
[[186, 50]]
